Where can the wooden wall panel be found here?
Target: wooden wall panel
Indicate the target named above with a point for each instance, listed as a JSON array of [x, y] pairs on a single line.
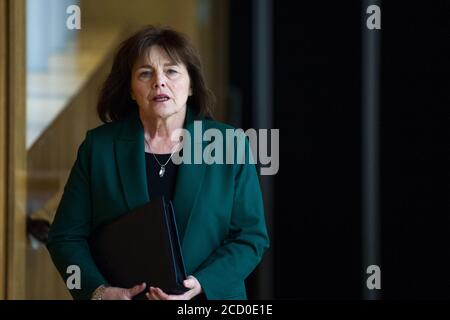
[[16, 165], [3, 145]]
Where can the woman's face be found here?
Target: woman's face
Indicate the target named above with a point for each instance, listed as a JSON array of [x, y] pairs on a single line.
[[159, 85]]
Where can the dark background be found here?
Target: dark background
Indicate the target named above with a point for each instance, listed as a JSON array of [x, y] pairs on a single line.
[[317, 235], [415, 149], [318, 190]]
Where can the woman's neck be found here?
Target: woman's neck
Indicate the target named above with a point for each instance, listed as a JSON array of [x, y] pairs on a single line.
[[159, 133]]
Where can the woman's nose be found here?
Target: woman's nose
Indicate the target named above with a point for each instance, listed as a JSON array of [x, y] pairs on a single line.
[[159, 82]]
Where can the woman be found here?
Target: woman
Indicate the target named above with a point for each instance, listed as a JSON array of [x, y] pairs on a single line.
[[155, 88]]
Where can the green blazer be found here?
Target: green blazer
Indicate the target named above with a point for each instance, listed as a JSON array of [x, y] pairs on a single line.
[[219, 209]]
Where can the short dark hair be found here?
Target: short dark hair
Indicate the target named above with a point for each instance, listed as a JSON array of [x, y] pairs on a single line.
[[115, 102]]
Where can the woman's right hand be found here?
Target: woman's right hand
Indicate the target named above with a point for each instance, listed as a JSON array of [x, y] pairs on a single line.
[[115, 293]]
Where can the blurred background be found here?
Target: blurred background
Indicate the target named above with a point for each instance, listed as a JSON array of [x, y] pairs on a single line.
[[361, 181]]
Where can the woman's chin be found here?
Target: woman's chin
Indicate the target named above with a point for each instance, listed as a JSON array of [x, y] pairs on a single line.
[[160, 110], [163, 111]]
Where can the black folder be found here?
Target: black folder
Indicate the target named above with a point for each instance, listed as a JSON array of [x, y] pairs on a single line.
[[141, 246]]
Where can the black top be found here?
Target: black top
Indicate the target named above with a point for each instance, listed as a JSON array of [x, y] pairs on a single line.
[[160, 186]]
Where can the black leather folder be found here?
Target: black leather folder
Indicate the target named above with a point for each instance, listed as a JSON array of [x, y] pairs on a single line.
[[141, 246]]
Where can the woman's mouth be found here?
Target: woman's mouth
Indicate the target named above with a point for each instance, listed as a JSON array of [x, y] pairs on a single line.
[[160, 98]]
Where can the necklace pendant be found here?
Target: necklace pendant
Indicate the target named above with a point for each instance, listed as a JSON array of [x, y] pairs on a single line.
[[162, 171]]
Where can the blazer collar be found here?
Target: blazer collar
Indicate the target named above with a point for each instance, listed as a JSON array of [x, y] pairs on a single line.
[[130, 158]]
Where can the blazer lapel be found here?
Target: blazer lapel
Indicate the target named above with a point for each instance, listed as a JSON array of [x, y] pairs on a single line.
[[188, 185], [130, 157], [189, 182]]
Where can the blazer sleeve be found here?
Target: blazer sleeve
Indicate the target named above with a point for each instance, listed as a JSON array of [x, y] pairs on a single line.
[[67, 241], [222, 275]]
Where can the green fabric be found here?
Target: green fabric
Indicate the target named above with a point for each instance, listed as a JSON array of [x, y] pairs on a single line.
[[219, 209]]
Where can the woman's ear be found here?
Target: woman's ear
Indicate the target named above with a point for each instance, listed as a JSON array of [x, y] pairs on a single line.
[[132, 96], [190, 91]]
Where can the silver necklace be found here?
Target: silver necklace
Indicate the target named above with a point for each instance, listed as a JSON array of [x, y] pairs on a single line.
[[162, 169]]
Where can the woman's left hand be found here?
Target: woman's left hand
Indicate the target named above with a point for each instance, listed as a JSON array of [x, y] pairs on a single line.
[[191, 282]]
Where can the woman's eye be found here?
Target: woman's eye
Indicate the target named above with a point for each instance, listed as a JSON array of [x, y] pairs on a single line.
[[145, 74], [171, 71]]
